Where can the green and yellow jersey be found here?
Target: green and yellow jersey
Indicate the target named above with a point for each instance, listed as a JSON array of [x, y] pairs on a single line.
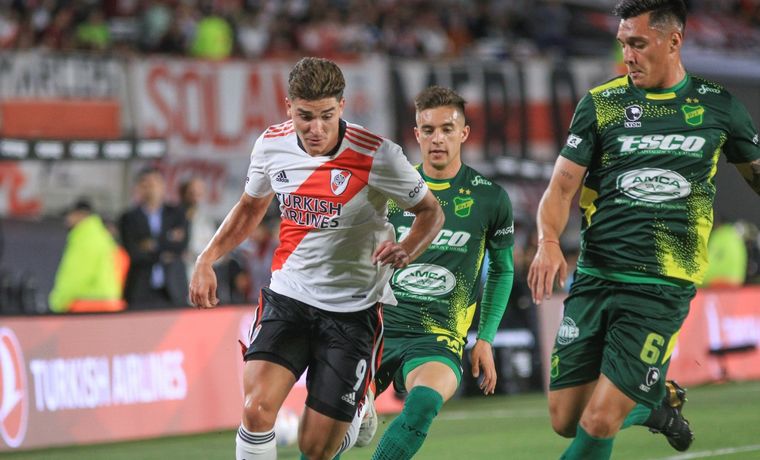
[[646, 201], [437, 293]]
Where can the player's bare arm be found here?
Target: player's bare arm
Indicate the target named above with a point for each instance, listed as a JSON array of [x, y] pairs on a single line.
[[751, 173], [553, 212], [427, 223], [237, 225]]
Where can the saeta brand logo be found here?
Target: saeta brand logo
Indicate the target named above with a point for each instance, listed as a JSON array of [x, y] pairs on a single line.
[[14, 400], [653, 185], [425, 279]]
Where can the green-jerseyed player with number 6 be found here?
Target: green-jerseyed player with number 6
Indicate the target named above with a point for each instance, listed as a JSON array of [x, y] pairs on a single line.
[[643, 149]]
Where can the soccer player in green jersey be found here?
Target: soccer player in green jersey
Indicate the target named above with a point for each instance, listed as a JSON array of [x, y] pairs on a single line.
[[643, 149], [425, 335]]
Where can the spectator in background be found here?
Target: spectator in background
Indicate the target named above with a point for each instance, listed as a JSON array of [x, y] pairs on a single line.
[[88, 270], [192, 196], [255, 256], [93, 34], [214, 38], [726, 257], [155, 235]]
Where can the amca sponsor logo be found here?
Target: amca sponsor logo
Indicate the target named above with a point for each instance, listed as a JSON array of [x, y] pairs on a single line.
[[653, 185]]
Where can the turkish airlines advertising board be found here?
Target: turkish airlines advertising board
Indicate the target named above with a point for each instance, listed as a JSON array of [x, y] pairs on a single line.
[[83, 379]]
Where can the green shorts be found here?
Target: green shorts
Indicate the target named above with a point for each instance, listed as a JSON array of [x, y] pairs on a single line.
[[625, 331], [402, 354]]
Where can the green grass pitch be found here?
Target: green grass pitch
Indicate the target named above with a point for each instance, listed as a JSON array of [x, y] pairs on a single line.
[[726, 420]]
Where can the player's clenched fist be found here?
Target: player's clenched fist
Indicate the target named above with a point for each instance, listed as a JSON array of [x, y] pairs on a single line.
[[390, 253], [203, 287]]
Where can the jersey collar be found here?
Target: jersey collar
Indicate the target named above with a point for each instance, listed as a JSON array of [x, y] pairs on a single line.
[[439, 184], [662, 94]]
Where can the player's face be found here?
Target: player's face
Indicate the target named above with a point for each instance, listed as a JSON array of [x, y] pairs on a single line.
[[317, 123], [440, 132], [650, 54]]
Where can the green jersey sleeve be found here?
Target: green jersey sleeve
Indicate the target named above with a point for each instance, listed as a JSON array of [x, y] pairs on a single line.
[[501, 231], [582, 137], [743, 144]]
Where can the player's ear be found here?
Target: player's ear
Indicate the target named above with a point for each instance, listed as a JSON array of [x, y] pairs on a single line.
[[288, 105], [465, 133], [676, 39], [417, 134]]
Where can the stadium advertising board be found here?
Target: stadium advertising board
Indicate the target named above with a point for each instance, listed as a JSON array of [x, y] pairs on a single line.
[[97, 378], [83, 379]]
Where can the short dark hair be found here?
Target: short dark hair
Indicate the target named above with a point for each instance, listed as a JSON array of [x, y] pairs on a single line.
[[438, 96], [82, 204], [146, 171], [662, 11], [315, 78]]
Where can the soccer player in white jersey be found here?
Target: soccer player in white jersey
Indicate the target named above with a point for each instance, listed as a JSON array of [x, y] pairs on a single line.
[[323, 309]]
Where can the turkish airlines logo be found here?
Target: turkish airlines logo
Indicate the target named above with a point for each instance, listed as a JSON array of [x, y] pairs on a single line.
[[339, 180], [14, 402]]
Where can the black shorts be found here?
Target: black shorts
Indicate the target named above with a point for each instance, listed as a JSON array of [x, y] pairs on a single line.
[[341, 350]]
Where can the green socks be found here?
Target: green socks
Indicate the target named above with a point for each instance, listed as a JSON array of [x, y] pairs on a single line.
[[408, 431], [638, 416], [587, 447]]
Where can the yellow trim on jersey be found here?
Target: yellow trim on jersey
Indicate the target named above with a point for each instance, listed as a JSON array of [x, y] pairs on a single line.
[[588, 196], [661, 96], [671, 346], [438, 186], [620, 81]]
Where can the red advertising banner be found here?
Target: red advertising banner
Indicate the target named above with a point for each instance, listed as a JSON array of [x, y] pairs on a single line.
[[719, 340], [98, 378]]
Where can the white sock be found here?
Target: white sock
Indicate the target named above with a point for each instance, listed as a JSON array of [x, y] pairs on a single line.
[[255, 446]]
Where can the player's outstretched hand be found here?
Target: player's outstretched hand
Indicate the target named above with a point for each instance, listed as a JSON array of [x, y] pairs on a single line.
[[482, 358], [546, 265], [391, 253], [203, 287]]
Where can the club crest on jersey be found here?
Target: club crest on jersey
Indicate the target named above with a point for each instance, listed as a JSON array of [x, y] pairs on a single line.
[[339, 180], [463, 206], [693, 114], [632, 114]]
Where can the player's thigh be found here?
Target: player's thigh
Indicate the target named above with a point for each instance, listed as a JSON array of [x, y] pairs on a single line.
[[344, 347], [642, 335], [579, 344], [280, 332]]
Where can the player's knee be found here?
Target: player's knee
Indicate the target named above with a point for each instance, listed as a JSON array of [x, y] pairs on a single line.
[[599, 423], [258, 414], [564, 428], [562, 423], [315, 448]]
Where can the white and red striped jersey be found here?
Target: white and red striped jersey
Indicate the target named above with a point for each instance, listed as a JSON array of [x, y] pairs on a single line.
[[333, 210]]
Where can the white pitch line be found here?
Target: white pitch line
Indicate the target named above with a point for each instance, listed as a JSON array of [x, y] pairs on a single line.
[[714, 453]]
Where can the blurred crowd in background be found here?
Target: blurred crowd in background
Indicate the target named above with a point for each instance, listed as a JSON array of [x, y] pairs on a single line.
[[219, 29], [267, 29]]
